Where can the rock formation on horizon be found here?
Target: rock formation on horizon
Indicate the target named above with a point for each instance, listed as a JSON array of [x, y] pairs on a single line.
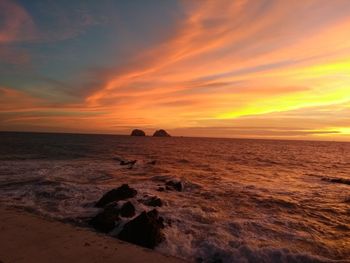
[[161, 133], [137, 132]]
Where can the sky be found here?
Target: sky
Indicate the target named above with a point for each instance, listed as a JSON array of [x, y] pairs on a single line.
[[238, 68]]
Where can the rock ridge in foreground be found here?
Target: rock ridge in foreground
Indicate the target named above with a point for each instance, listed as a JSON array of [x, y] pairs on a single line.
[[144, 229]]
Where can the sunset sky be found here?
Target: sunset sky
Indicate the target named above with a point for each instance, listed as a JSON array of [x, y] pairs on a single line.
[[237, 68]]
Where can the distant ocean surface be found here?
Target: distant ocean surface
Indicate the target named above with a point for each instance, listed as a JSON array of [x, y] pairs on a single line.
[[243, 200]]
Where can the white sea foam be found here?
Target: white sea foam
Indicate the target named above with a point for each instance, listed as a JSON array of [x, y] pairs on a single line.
[[243, 201]]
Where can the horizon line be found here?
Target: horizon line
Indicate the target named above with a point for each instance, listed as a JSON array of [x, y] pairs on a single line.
[[176, 136]]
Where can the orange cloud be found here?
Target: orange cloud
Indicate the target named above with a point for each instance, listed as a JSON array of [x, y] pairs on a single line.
[[225, 57], [232, 62], [16, 22], [12, 100]]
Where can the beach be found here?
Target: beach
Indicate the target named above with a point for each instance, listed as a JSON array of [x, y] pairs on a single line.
[[30, 238]]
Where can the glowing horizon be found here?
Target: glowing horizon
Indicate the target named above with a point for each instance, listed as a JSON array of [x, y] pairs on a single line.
[[267, 69]]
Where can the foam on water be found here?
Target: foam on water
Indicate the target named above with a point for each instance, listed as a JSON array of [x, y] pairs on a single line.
[[243, 200]]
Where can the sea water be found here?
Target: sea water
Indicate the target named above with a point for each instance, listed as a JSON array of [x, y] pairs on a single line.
[[243, 200]]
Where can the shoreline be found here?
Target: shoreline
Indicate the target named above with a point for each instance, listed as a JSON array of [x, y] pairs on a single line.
[[30, 238]]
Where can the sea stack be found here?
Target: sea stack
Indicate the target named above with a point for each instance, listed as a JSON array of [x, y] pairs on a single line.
[[161, 133], [137, 132]]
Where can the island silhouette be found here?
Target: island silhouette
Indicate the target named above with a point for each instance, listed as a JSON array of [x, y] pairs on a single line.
[[157, 133]]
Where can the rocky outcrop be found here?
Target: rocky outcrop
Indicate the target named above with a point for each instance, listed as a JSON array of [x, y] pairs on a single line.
[[121, 193], [145, 230], [174, 185], [106, 220], [161, 133], [127, 210], [337, 180], [129, 164], [152, 201], [123, 162], [160, 189], [137, 132]]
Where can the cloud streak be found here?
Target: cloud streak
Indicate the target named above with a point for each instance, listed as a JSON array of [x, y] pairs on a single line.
[[224, 61]]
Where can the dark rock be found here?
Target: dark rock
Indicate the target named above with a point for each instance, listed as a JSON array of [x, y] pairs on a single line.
[[137, 132], [120, 193], [130, 163], [145, 230], [154, 214], [106, 220], [127, 210], [174, 185], [123, 162], [161, 189], [152, 162], [337, 180], [153, 201], [161, 133]]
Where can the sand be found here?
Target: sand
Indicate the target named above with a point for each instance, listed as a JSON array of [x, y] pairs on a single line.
[[25, 237]]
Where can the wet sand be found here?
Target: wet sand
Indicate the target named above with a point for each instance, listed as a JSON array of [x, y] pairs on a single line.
[[25, 237]]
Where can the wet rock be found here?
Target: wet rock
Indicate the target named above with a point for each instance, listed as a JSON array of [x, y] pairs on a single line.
[[137, 132], [120, 193], [161, 133], [337, 180], [145, 230], [174, 185], [127, 210], [106, 220], [161, 189], [123, 162], [153, 201], [129, 163]]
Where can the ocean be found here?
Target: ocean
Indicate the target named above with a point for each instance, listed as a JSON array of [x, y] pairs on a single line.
[[243, 200]]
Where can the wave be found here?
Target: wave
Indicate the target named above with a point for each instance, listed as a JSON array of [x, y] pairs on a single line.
[[243, 201]]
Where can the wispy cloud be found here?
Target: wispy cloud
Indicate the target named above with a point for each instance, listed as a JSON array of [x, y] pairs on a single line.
[[17, 24], [227, 62]]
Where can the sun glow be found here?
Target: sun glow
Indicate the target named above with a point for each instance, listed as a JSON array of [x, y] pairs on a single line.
[[200, 65], [328, 85]]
